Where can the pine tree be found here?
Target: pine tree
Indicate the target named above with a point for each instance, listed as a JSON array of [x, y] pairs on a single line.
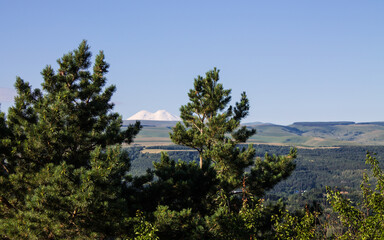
[[213, 128], [63, 174]]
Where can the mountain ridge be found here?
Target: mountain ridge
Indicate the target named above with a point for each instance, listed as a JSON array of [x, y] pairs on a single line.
[[312, 134]]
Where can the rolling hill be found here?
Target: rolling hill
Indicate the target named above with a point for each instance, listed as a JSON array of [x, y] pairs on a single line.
[[308, 134]]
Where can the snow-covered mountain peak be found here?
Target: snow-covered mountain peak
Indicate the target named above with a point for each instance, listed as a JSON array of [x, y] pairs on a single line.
[[160, 115]]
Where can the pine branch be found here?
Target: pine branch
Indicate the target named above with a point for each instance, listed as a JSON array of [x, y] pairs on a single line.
[[7, 203]]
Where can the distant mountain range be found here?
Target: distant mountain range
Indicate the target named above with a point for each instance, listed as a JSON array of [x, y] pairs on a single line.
[[311, 134], [321, 133]]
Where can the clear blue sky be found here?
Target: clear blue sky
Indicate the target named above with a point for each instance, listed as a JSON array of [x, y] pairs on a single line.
[[297, 60]]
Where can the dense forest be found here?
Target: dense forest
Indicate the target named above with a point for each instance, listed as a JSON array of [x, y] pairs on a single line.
[[316, 168], [65, 175], [340, 166]]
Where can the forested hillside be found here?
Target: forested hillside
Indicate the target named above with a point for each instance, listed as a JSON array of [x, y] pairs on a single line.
[[316, 168]]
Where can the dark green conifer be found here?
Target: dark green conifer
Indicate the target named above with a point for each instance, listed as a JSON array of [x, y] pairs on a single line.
[[213, 128], [234, 209], [63, 174]]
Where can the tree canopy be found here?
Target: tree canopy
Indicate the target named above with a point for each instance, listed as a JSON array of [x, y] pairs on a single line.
[[63, 174], [213, 128]]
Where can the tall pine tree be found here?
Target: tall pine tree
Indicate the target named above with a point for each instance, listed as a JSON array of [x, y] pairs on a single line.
[[213, 128], [62, 172], [233, 208]]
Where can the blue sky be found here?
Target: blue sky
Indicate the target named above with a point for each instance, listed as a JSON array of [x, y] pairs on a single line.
[[297, 60]]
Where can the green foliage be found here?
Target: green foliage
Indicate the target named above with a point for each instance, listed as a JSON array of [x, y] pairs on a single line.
[[206, 121], [182, 224], [367, 220], [363, 220], [143, 229], [269, 171], [291, 227], [180, 185], [213, 129], [253, 220], [62, 176]]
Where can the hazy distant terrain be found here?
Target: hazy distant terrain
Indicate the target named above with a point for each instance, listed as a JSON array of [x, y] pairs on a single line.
[[311, 134]]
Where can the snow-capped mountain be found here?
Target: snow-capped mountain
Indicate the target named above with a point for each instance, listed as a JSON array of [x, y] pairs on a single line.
[[160, 115]]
